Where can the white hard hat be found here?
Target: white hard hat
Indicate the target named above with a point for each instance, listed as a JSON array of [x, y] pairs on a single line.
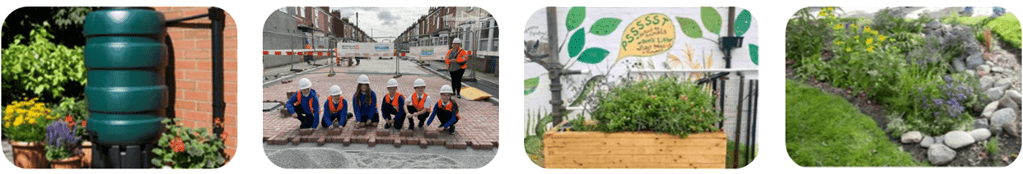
[[335, 90], [304, 83], [392, 83], [418, 83], [363, 79], [446, 89], [457, 41]]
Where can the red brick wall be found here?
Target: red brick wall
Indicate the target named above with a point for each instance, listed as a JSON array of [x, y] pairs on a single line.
[[193, 75]]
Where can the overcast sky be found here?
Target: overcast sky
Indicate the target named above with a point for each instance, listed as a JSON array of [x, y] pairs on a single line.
[[383, 21]]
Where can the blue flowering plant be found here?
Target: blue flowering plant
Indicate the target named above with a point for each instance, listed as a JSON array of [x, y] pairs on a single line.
[[61, 141], [942, 105]]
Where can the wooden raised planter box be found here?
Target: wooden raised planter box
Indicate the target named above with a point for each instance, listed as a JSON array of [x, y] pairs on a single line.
[[634, 150]]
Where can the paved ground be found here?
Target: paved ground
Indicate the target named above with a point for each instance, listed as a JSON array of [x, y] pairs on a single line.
[[486, 82], [478, 128], [7, 151], [362, 156]]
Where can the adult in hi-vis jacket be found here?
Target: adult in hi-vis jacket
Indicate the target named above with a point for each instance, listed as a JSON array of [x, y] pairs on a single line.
[[455, 58]]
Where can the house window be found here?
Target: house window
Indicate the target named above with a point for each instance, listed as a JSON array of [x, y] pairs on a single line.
[[301, 11]]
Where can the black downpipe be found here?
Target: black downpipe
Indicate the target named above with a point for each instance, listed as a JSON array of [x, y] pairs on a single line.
[[753, 124], [738, 123], [216, 16], [217, 19]]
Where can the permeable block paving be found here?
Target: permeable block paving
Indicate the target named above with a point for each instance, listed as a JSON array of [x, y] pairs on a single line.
[[372, 141], [407, 133], [383, 132]]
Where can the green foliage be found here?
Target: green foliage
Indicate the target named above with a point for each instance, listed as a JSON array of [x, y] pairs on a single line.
[[1008, 28], [711, 20], [575, 17], [992, 146], [42, 69], [184, 147], [743, 22], [754, 53], [530, 85], [593, 55], [65, 23], [888, 21], [822, 129], [805, 38], [536, 126], [576, 42], [605, 26], [534, 149], [690, 27], [662, 105]]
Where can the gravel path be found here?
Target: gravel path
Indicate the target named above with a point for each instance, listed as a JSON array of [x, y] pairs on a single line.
[[308, 155]]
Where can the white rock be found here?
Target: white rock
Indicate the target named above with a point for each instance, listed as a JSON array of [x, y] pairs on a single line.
[[989, 109], [940, 154], [912, 137], [958, 139], [986, 82], [926, 142], [980, 134], [983, 70]]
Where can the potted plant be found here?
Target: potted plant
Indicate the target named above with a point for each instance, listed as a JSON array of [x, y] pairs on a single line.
[[183, 147], [78, 112], [62, 145], [658, 123], [24, 123]]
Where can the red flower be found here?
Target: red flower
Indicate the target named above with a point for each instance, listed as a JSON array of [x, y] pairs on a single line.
[[83, 123], [68, 119], [223, 136], [177, 145]]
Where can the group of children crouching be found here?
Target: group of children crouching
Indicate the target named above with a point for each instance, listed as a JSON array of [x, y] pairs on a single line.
[[304, 105]]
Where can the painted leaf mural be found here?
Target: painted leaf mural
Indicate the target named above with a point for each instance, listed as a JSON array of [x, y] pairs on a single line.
[[742, 22], [689, 27], [605, 26], [754, 53], [647, 35], [711, 20], [531, 84], [576, 42], [575, 17], [593, 55]]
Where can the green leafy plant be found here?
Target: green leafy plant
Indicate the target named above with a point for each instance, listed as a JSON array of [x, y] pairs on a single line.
[[536, 126], [806, 37], [1008, 28], [662, 105], [184, 147], [992, 146], [26, 121], [77, 110], [42, 69]]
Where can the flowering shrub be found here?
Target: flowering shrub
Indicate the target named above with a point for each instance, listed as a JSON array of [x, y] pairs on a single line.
[[61, 140], [183, 147], [26, 120], [661, 105]]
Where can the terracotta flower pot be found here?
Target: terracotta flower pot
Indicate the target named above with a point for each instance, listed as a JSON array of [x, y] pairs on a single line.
[[29, 155], [86, 154], [72, 162]]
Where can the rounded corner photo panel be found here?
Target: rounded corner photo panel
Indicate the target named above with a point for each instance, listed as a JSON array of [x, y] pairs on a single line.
[[120, 87], [380, 87], [650, 87], [902, 86]]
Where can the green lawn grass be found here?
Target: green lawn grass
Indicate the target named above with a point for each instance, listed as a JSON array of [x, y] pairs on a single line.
[[1007, 27], [825, 130]]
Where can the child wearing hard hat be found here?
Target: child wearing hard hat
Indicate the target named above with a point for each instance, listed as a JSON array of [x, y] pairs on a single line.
[[391, 105], [364, 103], [455, 59], [305, 104], [335, 109], [419, 105], [445, 109]]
